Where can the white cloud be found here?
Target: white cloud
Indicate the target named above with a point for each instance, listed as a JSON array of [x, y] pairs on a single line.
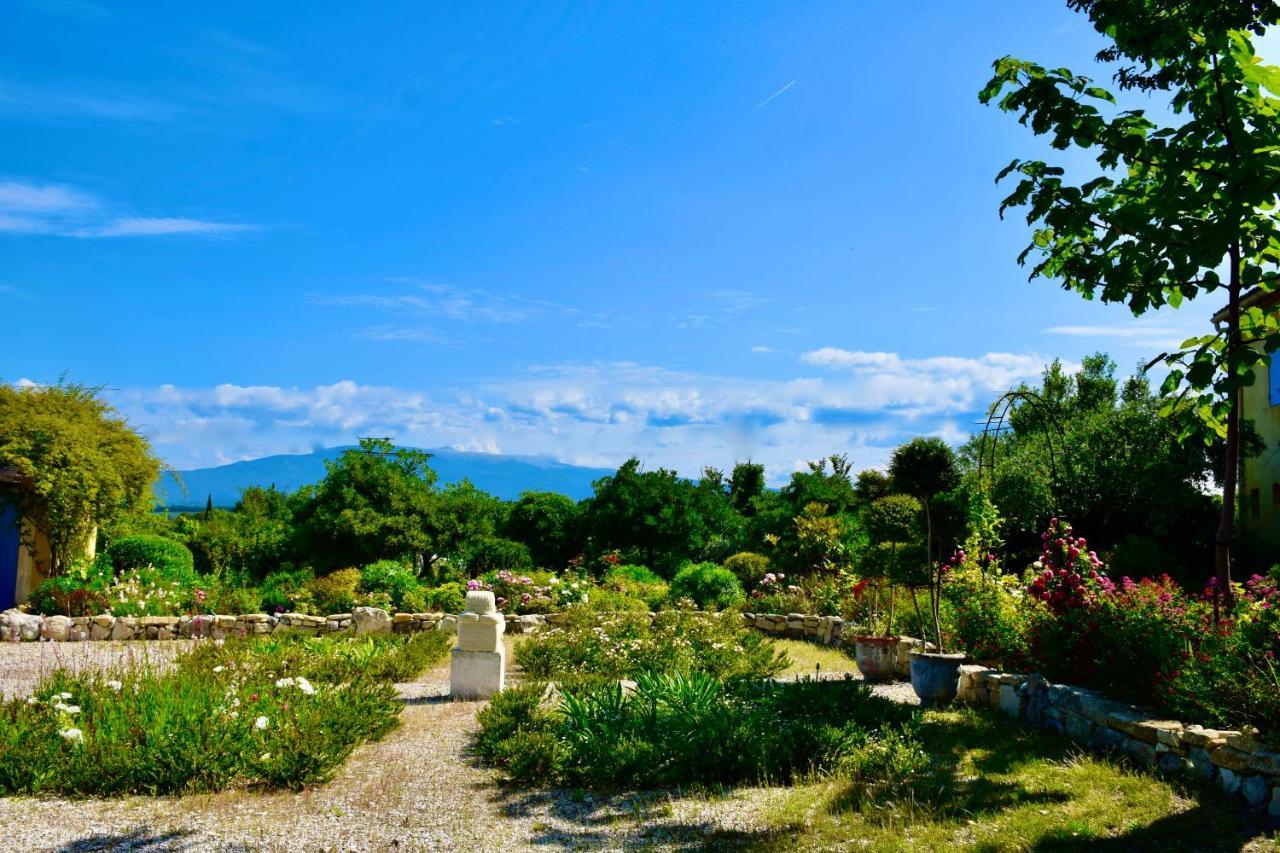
[[759, 348], [43, 102], [64, 211], [424, 302], [1142, 334], [594, 413]]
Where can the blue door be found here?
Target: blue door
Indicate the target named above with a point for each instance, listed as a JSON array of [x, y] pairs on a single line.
[[9, 541]]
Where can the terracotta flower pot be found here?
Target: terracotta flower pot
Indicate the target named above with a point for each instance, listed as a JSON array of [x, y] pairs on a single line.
[[876, 657], [935, 677]]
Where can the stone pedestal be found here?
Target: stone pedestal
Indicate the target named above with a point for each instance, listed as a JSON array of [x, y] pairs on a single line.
[[479, 663], [477, 675]]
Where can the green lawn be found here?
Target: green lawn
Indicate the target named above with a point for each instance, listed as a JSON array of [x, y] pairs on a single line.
[[995, 785], [808, 658]]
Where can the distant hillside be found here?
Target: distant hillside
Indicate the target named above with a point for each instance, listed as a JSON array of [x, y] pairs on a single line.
[[503, 476]]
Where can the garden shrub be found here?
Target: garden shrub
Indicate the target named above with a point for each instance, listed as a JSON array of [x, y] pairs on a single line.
[[327, 658], [194, 728], [635, 583], [336, 592], [677, 728], [986, 618], [280, 589], [449, 597], [709, 585], [594, 646], [393, 579], [750, 568], [168, 558], [81, 590]]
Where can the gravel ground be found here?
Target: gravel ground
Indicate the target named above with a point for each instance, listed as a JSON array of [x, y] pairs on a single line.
[[414, 790]]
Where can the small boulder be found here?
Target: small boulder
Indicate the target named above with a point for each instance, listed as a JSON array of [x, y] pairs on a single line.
[[371, 620]]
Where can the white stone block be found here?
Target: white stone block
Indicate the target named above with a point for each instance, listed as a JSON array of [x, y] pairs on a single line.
[[480, 632], [480, 601], [476, 675]]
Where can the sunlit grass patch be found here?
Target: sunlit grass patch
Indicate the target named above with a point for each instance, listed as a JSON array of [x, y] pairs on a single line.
[[994, 785]]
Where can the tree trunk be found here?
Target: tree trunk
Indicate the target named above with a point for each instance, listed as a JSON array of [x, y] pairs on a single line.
[[1226, 520], [919, 616]]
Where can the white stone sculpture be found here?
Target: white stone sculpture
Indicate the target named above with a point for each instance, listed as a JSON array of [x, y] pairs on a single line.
[[479, 665]]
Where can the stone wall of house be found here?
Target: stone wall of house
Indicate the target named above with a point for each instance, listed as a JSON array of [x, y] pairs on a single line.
[[829, 631], [18, 626], [1236, 762]]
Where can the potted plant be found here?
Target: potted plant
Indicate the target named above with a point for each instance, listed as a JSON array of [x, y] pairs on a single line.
[[891, 525], [926, 469]]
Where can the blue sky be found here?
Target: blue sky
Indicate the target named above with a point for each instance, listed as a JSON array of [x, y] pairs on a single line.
[[697, 233]]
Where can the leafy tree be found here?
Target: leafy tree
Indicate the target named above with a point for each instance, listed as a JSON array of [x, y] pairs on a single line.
[[1120, 472], [724, 525], [1177, 209], [549, 524], [376, 502], [463, 515], [80, 464], [647, 513], [871, 486], [746, 483]]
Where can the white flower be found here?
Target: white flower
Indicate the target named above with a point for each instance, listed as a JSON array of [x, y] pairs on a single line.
[[261, 723], [114, 685], [64, 695], [264, 756], [219, 668], [305, 686], [73, 735], [284, 682]]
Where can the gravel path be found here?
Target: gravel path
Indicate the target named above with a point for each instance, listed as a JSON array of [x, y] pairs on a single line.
[[414, 790]]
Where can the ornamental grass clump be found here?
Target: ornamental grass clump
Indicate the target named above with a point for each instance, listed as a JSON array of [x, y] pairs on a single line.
[[191, 728], [692, 728]]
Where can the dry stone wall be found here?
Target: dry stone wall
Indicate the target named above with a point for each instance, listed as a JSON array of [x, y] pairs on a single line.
[[16, 626], [1235, 761]]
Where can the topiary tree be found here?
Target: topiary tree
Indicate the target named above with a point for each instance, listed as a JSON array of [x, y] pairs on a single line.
[[925, 468], [893, 525]]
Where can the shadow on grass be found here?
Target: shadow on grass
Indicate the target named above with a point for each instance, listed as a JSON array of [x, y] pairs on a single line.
[[140, 839], [635, 820]]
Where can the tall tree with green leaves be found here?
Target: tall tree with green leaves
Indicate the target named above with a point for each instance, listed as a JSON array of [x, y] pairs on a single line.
[[80, 464], [377, 501], [1179, 207]]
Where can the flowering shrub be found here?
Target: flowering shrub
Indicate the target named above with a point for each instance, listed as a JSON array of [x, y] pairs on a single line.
[[191, 728], [520, 593], [988, 615], [594, 646], [1067, 576]]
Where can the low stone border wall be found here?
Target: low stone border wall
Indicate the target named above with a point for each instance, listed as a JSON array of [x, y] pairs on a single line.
[[17, 626], [829, 631], [1239, 764]]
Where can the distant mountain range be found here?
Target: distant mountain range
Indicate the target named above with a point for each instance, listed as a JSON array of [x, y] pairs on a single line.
[[503, 476]]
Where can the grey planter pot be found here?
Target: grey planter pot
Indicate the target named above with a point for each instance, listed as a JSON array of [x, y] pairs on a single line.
[[935, 677]]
